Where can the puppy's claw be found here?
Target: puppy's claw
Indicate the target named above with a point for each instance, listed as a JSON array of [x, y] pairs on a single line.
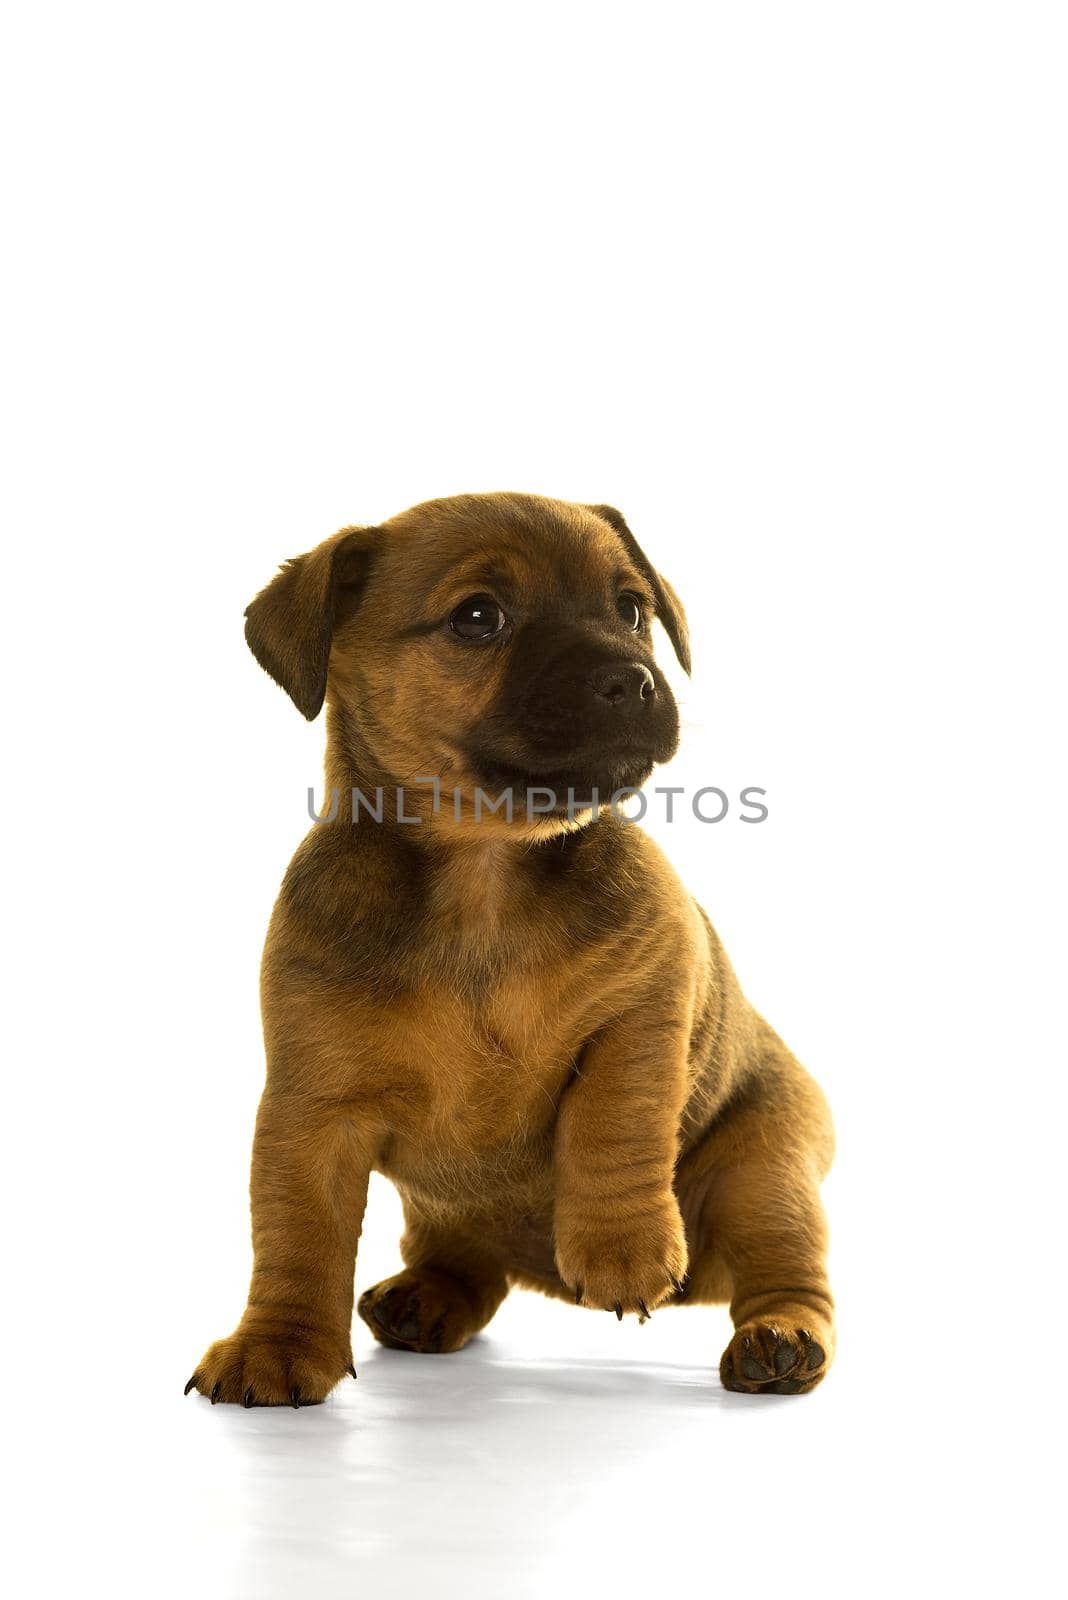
[[679, 1285], [619, 1311], [248, 1399], [578, 1294], [645, 1312], [294, 1397], [351, 1369], [191, 1384], [215, 1393]]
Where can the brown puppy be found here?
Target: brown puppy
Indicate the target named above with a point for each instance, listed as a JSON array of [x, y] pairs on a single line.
[[526, 1024]]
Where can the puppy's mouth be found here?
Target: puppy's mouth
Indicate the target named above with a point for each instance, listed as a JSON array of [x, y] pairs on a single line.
[[560, 791]]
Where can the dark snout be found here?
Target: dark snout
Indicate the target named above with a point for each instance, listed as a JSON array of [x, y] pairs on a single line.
[[576, 713]]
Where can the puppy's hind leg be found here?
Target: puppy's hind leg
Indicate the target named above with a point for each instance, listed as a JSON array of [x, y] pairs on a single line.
[[772, 1236], [764, 1236], [449, 1290]]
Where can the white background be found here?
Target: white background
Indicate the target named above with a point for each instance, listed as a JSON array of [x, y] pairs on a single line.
[[786, 284]]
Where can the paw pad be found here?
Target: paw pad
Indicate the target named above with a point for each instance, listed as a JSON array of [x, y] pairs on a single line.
[[764, 1358]]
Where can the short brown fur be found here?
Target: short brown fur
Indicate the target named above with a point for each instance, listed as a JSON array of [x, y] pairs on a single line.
[[529, 1027]]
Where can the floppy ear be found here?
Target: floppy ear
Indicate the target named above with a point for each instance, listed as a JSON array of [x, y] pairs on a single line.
[[290, 624], [668, 605]]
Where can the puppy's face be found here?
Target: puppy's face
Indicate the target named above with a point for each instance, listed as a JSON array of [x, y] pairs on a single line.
[[501, 641]]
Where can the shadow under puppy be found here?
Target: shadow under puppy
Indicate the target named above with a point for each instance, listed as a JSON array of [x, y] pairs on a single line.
[[528, 1025]]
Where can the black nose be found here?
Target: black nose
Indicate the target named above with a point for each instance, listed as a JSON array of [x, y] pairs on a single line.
[[626, 684]]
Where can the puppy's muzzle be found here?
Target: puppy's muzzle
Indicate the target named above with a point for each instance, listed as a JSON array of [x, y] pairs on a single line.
[[575, 715]]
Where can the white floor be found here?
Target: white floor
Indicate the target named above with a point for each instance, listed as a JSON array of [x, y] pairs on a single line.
[[560, 1453]]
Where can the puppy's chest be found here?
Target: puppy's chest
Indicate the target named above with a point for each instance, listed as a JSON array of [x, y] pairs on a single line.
[[486, 1069]]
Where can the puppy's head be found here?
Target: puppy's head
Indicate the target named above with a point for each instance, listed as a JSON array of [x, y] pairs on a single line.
[[490, 640]]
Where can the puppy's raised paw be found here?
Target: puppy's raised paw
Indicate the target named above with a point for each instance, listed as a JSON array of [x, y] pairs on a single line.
[[775, 1358], [622, 1266], [252, 1368]]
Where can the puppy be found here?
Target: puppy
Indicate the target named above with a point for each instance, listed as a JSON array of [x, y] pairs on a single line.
[[523, 1020]]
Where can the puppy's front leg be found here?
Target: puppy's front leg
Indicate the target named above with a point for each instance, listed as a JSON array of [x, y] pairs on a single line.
[[310, 1171], [619, 1236]]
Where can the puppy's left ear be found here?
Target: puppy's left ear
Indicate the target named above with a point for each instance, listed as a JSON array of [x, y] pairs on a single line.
[[668, 605], [290, 624]]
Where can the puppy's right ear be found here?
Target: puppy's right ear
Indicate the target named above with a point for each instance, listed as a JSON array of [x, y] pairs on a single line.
[[668, 605], [290, 624]]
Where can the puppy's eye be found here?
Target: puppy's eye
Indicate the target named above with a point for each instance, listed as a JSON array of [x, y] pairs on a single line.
[[480, 617], [629, 607]]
